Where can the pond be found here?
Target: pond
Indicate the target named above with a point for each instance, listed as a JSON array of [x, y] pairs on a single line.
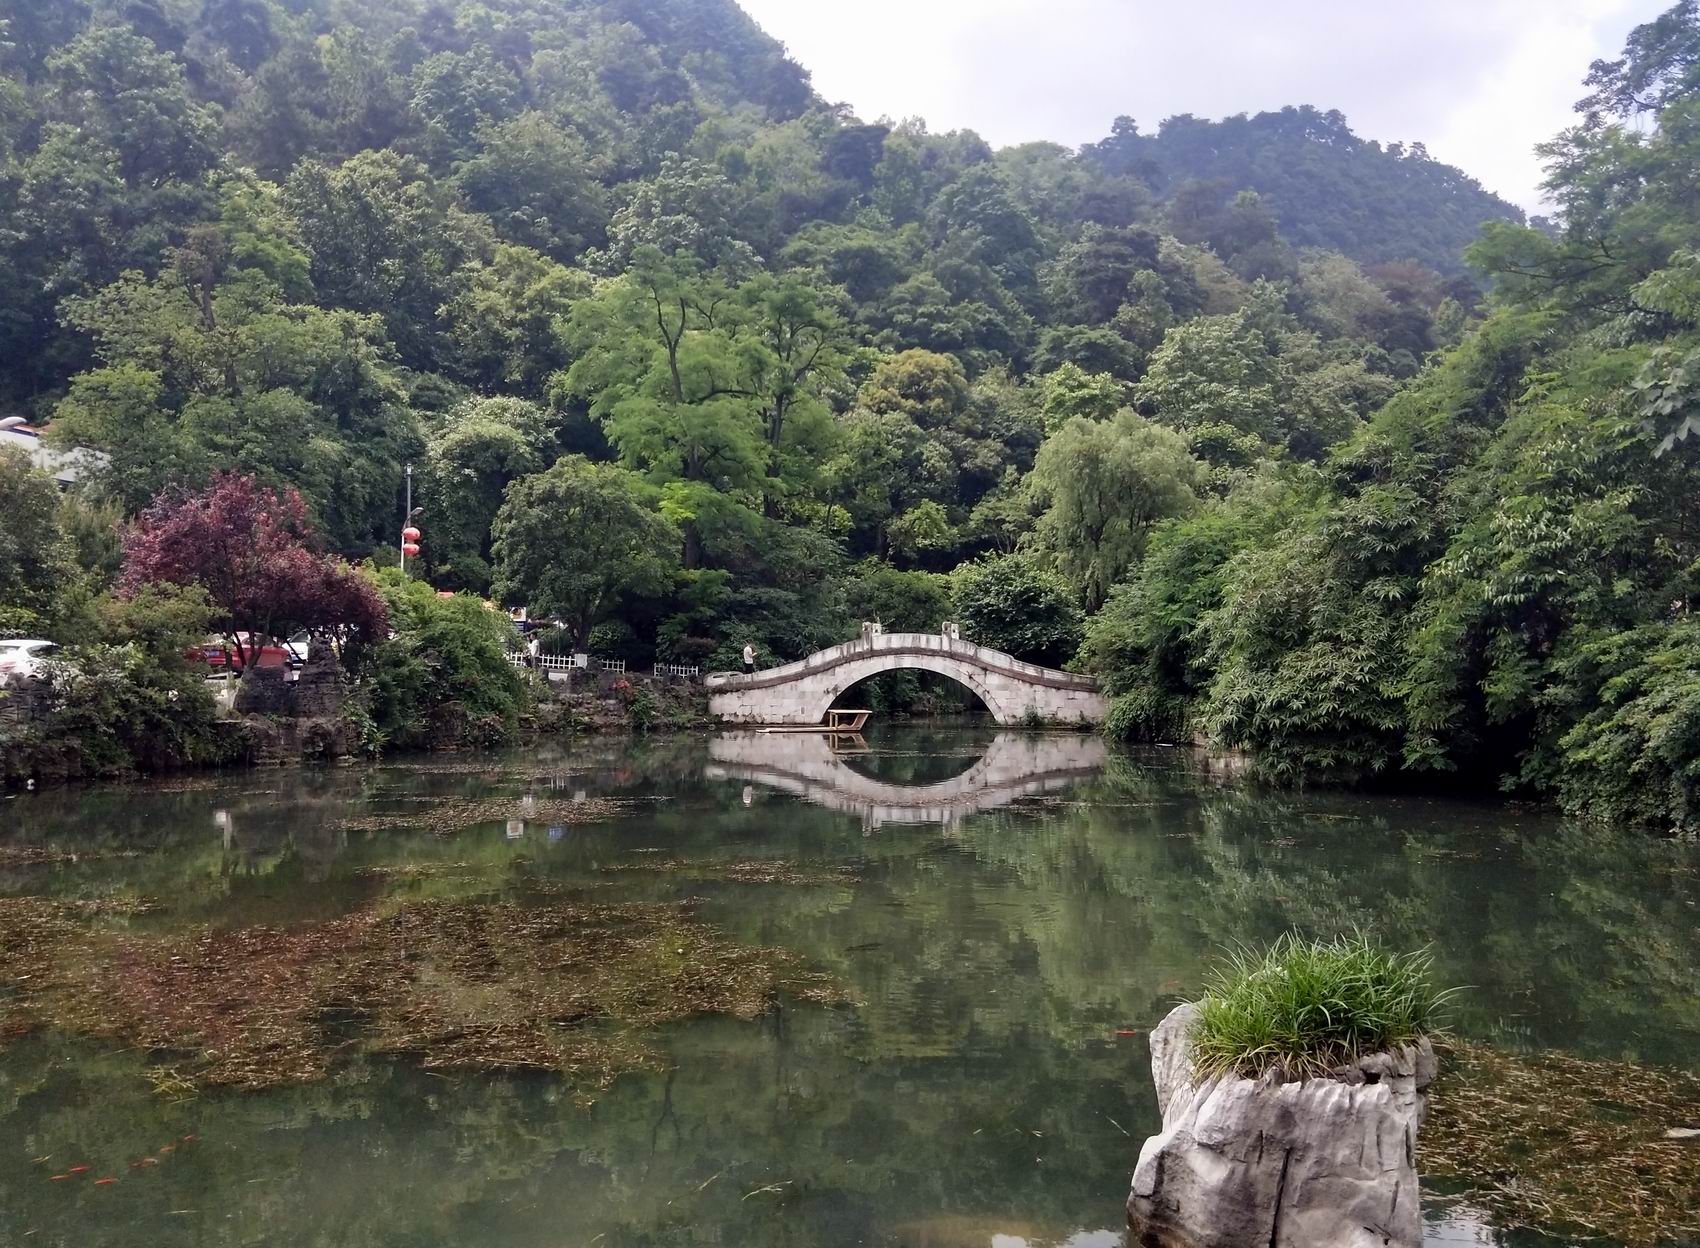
[[1004, 916]]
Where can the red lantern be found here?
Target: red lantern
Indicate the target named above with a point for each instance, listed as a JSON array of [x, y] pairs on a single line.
[[410, 534], [410, 549]]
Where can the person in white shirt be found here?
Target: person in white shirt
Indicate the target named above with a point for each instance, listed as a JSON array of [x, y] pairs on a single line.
[[749, 658]]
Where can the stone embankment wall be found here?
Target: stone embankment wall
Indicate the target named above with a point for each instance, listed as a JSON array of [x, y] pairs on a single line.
[[598, 702]]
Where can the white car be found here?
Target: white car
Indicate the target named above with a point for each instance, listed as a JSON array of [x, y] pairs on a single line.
[[21, 660]]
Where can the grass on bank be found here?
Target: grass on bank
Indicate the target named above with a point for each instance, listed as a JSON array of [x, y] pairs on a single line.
[[1304, 1008]]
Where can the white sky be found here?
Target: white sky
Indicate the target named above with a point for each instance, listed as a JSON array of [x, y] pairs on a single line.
[[1479, 81]]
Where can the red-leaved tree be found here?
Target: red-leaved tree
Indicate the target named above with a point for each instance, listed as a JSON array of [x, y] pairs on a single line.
[[252, 549]]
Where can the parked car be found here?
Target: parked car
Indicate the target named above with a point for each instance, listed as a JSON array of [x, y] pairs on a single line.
[[300, 646], [21, 660], [218, 655]]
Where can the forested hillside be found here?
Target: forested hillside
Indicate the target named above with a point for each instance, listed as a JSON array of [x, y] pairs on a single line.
[[1493, 579], [317, 241], [686, 357], [1325, 185]]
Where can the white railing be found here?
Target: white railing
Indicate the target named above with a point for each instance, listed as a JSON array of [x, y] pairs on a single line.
[[585, 662], [547, 662]]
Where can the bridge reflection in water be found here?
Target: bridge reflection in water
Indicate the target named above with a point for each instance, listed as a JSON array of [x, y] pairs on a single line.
[[818, 769]]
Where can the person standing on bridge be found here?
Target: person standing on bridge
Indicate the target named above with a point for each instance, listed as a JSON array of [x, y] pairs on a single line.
[[749, 659]]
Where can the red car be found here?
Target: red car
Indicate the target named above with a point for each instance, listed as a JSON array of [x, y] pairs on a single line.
[[217, 655]]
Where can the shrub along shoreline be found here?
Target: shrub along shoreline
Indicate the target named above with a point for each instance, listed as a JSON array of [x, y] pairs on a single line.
[[133, 745]]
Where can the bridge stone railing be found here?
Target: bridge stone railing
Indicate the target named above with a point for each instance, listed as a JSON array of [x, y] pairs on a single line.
[[898, 644]]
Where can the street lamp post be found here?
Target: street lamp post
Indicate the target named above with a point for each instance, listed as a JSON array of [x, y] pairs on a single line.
[[409, 535], [407, 516]]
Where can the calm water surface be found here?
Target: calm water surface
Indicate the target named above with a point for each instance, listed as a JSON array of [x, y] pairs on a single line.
[[1018, 904]]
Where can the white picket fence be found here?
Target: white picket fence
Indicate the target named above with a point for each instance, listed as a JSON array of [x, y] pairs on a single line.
[[547, 662], [677, 669], [582, 662]]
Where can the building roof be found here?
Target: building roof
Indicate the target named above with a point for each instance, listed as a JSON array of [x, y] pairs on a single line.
[[65, 466]]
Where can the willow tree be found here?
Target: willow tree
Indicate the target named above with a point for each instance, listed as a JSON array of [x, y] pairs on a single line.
[[1102, 485]]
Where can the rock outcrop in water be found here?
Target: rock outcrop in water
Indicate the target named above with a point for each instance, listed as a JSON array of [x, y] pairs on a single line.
[[1256, 1163]]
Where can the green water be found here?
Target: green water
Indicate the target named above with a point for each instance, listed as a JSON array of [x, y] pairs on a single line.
[[980, 1089]]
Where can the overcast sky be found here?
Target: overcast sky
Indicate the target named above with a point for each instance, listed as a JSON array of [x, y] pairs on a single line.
[[1480, 81]]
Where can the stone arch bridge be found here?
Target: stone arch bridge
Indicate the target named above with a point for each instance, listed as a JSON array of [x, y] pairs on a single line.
[[800, 693]]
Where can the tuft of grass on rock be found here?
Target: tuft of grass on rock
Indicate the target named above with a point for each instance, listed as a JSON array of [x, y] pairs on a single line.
[[1307, 1008]]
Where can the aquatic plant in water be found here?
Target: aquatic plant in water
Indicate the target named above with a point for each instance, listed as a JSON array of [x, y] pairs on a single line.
[[562, 986], [447, 816], [1552, 1142]]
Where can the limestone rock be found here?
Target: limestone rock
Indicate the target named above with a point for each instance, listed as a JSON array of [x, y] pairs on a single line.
[[317, 693], [1257, 1162], [262, 691]]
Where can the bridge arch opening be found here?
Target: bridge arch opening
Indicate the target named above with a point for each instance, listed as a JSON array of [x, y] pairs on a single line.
[[831, 690], [913, 692]]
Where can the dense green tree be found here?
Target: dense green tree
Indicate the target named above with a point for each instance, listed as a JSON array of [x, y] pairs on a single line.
[[35, 558], [866, 261], [688, 206], [568, 542], [980, 210], [457, 93], [1217, 371], [483, 446], [502, 324], [925, 386], [1069, 391], [118, 410], [1093, 276], [886, 467], [672, 391], [1010, 603], [1149, 640], [1330, 187], [444, 677], [1091, 348], [539, 184], [904, 602], [385, 238], [115, 88]]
